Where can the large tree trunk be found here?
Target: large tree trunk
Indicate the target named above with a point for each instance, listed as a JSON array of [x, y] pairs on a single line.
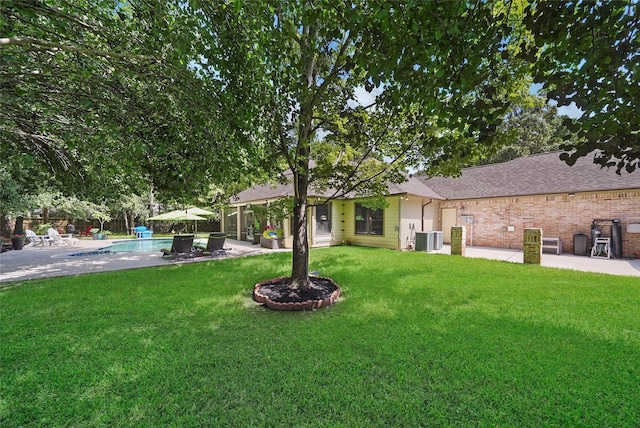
[[126, 222], [300, 269], [5, 226], [154, 207]]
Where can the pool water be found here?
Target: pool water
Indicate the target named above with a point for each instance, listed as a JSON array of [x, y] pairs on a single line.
[[140, 245], [146, 245]]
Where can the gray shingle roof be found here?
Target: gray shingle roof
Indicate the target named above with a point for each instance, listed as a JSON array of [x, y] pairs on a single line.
[[263, 192], [532, 175], [413, 186]]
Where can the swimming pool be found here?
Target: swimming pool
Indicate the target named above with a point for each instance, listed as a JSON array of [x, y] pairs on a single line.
[[145, 245]]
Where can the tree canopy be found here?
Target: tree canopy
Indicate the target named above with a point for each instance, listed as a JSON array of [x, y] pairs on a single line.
[[526, 130], [588, 53], [98, 99], [349, 93]]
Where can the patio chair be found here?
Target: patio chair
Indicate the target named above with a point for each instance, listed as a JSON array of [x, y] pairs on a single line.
[[143, 232], [215, 245], [87, 231], [55, 238], [32, 237], [182, 246]]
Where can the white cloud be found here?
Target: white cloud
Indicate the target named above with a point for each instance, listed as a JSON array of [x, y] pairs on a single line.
[[365, 98], [571, 110]]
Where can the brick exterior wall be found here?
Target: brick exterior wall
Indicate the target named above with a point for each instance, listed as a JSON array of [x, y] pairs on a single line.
[[557, 215]]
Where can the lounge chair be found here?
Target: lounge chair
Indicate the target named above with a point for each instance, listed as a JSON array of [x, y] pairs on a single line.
[[56, 239], [215, 245], [182, 246], [32, 237]]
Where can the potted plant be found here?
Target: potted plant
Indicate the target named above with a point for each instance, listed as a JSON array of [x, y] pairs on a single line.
[[104, 234], [43, 228], [271, 239], [273, 214], [17, 240], [95, 233]]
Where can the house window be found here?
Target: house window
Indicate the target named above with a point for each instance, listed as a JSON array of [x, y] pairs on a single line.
[[323, 219], [369, 221]]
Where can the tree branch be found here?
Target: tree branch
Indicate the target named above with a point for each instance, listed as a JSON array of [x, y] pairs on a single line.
[[29, 41], [338, 193]]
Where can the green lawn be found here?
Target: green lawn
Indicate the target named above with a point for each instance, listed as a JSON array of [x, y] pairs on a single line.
[[416, 340]]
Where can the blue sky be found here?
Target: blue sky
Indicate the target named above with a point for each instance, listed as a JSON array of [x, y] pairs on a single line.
[[571, 110]]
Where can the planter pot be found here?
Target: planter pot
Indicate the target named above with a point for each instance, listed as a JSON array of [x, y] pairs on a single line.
[[18, 243], [273, 244], [95, 236]]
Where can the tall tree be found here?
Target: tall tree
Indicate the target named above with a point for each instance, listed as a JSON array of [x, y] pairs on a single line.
[[436, 75], [101, 94], [587, 52], [528, 130]]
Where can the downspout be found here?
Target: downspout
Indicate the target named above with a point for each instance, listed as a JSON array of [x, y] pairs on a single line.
[[399, 244], [424, 205]]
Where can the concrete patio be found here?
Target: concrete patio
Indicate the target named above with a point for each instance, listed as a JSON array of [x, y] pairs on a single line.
[[627, 267]]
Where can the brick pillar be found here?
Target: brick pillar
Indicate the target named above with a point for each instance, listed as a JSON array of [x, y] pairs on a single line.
[[458, 240], [532, 246]]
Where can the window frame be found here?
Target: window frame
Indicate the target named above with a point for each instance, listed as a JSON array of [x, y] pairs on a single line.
[[326, 206], [370, 216]]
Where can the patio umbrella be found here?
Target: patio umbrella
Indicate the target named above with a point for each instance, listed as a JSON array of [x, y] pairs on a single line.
[[199, 211], [179, 215]]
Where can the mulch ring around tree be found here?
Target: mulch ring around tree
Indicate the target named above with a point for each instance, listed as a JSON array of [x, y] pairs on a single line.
[[278, 295]]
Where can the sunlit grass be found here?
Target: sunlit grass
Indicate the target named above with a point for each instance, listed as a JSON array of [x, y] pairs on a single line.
[[416, 340]]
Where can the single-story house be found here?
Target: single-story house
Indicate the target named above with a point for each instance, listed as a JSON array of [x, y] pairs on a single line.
[[494, 202], [344, 221]]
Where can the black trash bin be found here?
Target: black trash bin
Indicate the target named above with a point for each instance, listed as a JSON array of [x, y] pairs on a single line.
[[580, 246], [616, 238]]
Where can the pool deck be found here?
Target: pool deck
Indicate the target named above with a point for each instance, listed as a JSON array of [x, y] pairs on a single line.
[[44, 262]]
